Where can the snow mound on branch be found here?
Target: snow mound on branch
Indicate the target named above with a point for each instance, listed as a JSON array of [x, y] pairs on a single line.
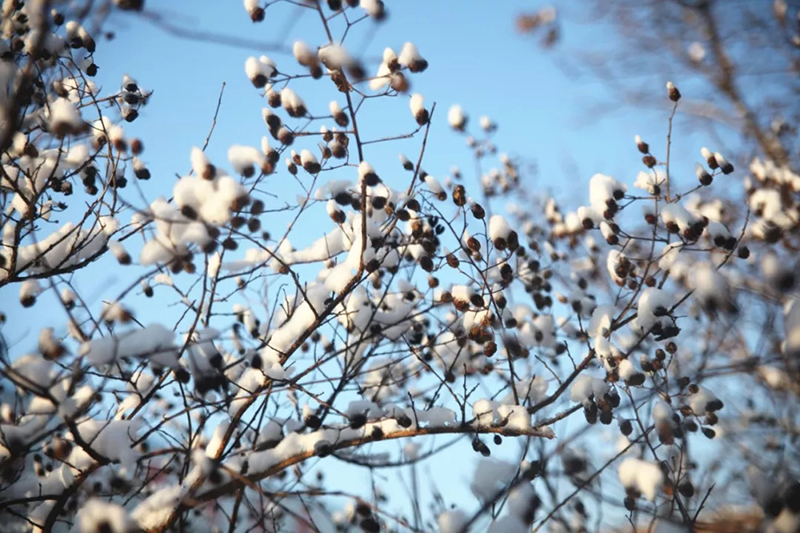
[[154, 342], [490, 477], [642, 476], [98, 515], [586, 387]]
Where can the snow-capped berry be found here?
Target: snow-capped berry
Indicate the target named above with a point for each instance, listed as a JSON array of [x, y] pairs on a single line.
[[64, 118], [374, 8], [641, 477], [411, 58], [457, 118], [119, 252], [272, 120], [273, 97], [292, 103], [309, 162], [398, 82], [28, 292], [418, 109], [255, 11], [339, 116], [673, 92], [303, 54], [724, 165], [649, 182], [201, 165], [367, 174], [407, 164], [246, 159], [129, 84], [390, 59], [499, 231], [604, 192], [708, 155], [702, 175], [641, 145], [435, 187], [259, 70], [335, 212]]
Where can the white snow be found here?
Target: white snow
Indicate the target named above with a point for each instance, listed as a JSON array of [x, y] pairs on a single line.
[[517, 416], [490, 477], [499, 227], [451, 521], [520, 500], [112, 439], [33, 369], [335, 56], [417, 104], [653, 305], [303, 54], [96, 513], [791, 323], [648, 181], [699, 401], [508, 524], [642, 476], [678, 215], [711, 287], [64, 117], [258, 67], [586, 386], [662, 412], [408, 55], [154, 342], [246, 159], [456, 117], [485, 412], [626, 369], [603, 188]]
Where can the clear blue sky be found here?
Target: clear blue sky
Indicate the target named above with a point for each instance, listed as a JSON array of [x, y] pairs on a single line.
[[477, 59]]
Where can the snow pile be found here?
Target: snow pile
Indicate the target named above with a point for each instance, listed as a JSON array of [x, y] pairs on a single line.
[[514, 418], [65, 247], [385, 70], [457, 118], [586, 387], [678, 219], [259, 70], [214, 200], [629, 373], [32, 370], [64, 118], [411, 58], [452, 521], [791, 324], [112, 439], [244, 160], [154, 342], [711, 288], [604, 192], [653, 312], [650, 182], [98, 515], [533, 390], [665, 423], [490, 477], [641, 477], [704, 401]]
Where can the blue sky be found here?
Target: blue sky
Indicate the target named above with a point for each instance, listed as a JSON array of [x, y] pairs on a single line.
[[477, 60]]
